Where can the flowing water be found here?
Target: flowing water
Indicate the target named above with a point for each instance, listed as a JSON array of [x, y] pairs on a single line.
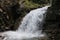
[[30, 28]]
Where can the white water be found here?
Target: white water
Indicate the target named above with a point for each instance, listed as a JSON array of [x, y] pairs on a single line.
[[30, 28]]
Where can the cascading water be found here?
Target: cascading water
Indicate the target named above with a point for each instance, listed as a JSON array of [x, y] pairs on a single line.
[[33, 20], [30, 28]]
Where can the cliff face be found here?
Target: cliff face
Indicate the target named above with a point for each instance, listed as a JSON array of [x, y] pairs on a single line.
[[52, 21]]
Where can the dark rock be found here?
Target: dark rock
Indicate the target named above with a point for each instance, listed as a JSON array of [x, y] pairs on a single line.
[[52, 21]]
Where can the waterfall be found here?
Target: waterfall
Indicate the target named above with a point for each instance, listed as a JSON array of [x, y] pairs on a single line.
[[31, 26], [33, 20]]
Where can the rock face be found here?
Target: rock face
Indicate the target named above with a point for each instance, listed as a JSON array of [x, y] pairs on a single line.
[[52, 22], [9, 13]]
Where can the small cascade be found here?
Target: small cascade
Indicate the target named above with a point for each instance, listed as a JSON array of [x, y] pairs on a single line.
[[31, 26], [33, 20]]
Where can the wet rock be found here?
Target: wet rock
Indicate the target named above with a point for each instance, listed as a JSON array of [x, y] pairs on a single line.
[[52, 21]]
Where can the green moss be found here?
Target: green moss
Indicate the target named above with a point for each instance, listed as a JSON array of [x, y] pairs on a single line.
[[30, 4]]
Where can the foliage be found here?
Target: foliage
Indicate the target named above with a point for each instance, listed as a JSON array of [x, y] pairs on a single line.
[[30, 4], [34, 3]]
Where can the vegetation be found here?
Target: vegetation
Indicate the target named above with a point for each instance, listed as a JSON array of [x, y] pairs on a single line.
[[35, 3]]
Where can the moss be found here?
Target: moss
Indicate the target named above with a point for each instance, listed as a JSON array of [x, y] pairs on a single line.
[[30, 4]]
